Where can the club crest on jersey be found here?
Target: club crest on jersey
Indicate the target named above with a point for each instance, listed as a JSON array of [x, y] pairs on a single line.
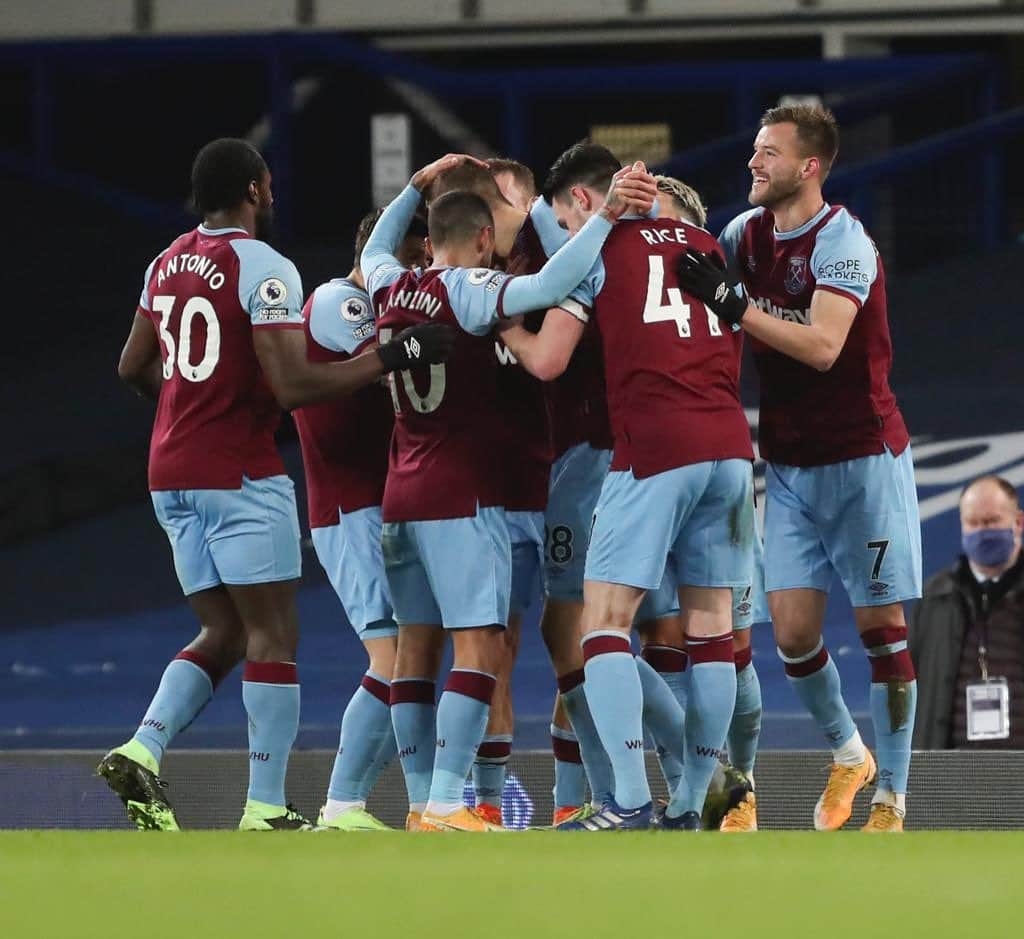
[[355, 310], [796, 275], [273, 292]]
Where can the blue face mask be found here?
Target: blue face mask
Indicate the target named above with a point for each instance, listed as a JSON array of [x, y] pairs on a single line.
[[989, 547]]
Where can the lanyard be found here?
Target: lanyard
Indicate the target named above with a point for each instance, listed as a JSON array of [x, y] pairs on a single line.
[[981, 628]]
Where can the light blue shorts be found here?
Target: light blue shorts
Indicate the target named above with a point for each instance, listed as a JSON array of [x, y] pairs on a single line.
[[232, 536], [749, 603], [694, 524], [526, 532], [452, 572], [350, 554], [858, 519], [576, 480]]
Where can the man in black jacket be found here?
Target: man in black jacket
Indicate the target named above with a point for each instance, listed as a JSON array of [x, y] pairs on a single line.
[[970, 622]]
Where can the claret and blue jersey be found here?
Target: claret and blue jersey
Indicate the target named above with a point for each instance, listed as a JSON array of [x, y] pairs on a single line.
[[213, 467]]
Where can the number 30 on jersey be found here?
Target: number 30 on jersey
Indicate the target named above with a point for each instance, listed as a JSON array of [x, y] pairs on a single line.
[[180, 353]]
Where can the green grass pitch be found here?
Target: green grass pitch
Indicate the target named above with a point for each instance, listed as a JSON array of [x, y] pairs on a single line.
[[298, 885]]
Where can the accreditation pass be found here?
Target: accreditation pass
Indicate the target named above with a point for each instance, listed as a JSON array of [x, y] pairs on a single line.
[[988, 710]]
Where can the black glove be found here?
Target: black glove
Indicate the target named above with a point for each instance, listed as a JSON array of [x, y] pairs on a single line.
[[426, 344], [704, 276]]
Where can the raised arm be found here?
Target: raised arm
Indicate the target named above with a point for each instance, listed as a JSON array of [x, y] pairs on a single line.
[[630, 190]]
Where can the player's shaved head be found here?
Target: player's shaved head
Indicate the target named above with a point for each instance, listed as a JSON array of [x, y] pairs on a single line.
[[468, 177], [457, 217], [222, 172], [583, 164], [816, 131]]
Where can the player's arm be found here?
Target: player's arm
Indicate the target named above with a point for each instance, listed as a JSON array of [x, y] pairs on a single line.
[[270, 290], [816, 344], [139, 366], [631, 190], [295, 381], [545, 354], [387, 235]]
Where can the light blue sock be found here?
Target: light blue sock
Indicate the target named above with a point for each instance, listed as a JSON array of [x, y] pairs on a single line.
[[570, 780], [595, 761], [461, 721], [708, 713], [745, 729], [270, 693], [892, 746], [412, 716], [616, 701], [665, 721], [365, 727], [815, 679], [489, 768], [385, 754], [184, 690], [893, 703]]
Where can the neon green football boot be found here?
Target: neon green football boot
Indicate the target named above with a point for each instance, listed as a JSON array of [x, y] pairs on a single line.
[[353, 819], [131, 772], [261, 816]]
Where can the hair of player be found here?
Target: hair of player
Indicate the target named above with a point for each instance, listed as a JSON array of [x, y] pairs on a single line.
[[1004, 485], [456, 217], [468, 177], [417, 229], [583, 164], [687, 200], [366, 225], [521, 173], [222, 172], [816, 129]]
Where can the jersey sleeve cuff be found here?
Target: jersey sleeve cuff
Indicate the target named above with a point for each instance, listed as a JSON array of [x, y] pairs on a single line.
[[500, 306], [575, 309], [285, 324], [840, 292]]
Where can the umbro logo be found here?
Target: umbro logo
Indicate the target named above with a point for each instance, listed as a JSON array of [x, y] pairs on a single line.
[[721, 292], [412, 348]]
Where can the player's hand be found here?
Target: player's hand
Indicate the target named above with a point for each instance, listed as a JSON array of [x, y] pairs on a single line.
[[422, 178], [633, 189], [704, 276], [426, 344]]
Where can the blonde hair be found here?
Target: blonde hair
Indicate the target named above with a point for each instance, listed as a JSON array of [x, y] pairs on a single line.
[[685, 197]]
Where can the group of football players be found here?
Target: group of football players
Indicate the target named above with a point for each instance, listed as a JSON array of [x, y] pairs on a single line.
[[535, 395]]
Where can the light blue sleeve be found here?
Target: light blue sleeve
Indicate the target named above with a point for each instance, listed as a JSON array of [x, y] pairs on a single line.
[[269, 286], [144, 301], [378, 263], [844, 258], [561, 275], [340, 318], [473, 295], [552, 235], [585, 295], [731, 234]]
